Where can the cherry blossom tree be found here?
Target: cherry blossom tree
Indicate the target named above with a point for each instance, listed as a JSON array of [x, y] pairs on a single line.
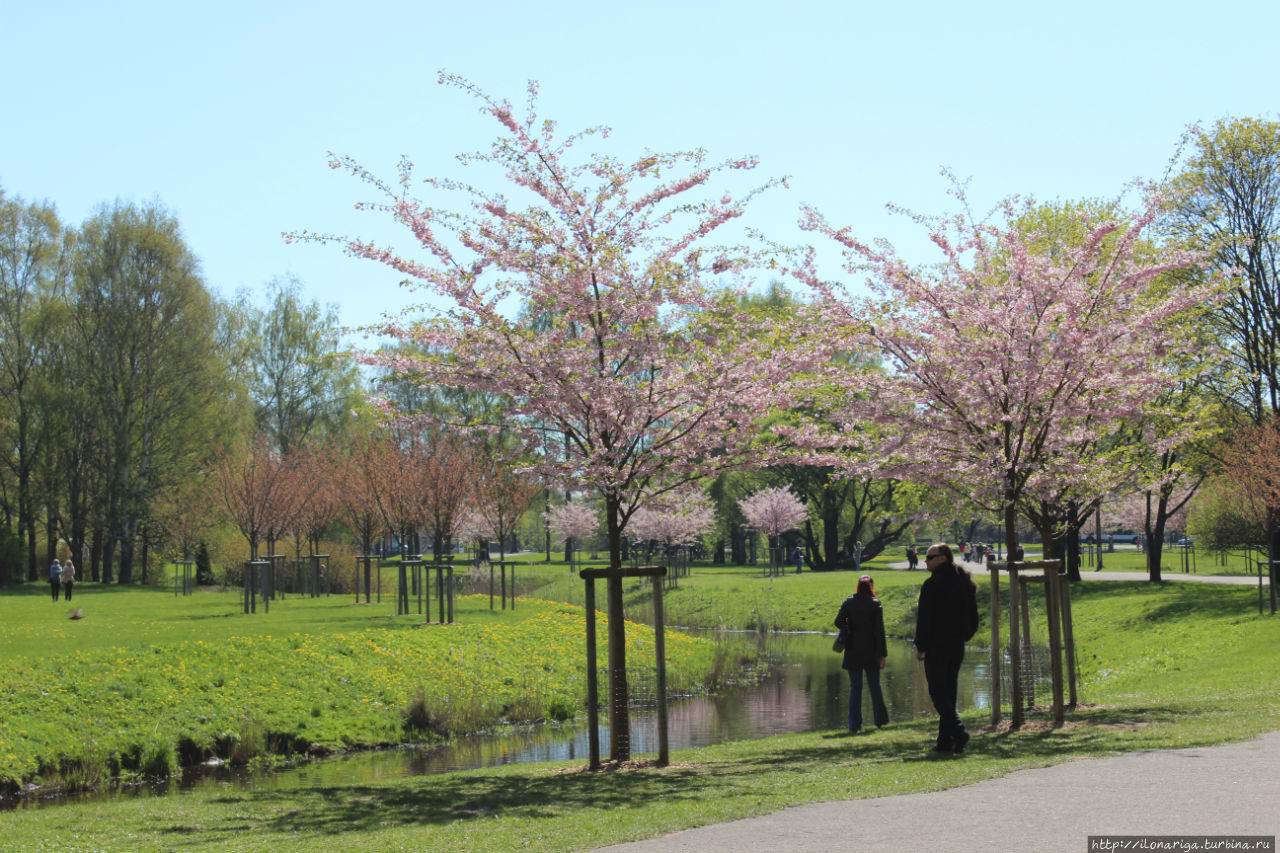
[[500, 498], [774, 511], [253, 484], [573, 521], [626, 353], [319, 499], [675, 520], [399, 484], [1009, 360], [447, 477], [182, 512], [354, 475], [472, 527]]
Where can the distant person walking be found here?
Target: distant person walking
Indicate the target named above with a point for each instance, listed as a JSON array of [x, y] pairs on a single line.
[[861, 618], [947, 616], [913, 558], [68, 578], [857, 556], [55, 577]]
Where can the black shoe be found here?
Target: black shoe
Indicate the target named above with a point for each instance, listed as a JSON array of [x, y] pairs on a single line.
[[958, 746], [942, 747]]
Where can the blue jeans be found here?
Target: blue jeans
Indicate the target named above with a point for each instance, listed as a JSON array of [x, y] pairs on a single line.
[[881, 713]]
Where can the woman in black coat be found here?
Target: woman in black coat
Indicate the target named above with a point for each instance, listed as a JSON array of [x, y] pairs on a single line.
[[862, 620]]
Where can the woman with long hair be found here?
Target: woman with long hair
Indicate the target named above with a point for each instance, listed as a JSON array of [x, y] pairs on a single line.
[[861, 618]]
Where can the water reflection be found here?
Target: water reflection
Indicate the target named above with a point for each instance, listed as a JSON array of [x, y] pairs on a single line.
[[805, 690]]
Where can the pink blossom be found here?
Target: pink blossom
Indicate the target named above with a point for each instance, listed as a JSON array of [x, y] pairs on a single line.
[[1006, 366], [679, 519], [773, 510], [576, 520]]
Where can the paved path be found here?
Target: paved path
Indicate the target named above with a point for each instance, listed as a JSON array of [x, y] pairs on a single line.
[[1206, 791], [1089, 575]]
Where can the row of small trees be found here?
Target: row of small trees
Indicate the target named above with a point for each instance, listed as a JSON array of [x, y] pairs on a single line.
[[405, 481]]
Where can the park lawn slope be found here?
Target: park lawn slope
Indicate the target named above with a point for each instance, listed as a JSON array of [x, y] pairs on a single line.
[[84, 714]]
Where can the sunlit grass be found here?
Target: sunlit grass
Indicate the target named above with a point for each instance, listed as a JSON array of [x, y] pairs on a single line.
[[146, 680]]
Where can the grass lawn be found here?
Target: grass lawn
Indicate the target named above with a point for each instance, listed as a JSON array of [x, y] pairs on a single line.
[[1162, 666], [145, 680]]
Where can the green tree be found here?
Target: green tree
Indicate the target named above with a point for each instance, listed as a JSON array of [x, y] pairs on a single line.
[[147, 359], [1228, 205], [302, 382], [31, 271]]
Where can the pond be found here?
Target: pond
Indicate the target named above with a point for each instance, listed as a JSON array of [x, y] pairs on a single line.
[[804, 689]]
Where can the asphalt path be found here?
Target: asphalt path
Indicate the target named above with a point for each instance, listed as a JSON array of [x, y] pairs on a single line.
[[1195, 794], [1087, 575]]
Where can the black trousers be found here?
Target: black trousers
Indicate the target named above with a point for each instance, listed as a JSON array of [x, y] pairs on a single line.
[[942, 672]]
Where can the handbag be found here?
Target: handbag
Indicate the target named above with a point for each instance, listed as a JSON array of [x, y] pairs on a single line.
[[838, 645]]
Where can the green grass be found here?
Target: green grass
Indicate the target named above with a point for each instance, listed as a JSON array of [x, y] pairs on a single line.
[[1162, 666], [146, 681]]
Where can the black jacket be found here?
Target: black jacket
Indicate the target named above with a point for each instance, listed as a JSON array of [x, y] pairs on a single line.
[[947, 615], [862, 619]]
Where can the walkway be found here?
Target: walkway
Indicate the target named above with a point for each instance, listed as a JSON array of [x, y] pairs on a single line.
[[1090, 575], [1206, 791]]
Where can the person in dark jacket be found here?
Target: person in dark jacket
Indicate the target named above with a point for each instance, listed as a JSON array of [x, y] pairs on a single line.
[[862, 620], [947, 616]]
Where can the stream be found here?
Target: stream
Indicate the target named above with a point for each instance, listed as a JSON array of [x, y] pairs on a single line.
[[804, 689]]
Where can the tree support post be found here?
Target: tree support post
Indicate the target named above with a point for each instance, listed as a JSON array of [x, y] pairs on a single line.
[[1068, 640], [993, 575], [1016, 587], [449, 581], [593, 687], [402, 590], [620, 741], [1028, 653], [1053, 591]]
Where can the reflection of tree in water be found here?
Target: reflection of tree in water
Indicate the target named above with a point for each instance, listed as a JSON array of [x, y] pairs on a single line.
[[806, 690]]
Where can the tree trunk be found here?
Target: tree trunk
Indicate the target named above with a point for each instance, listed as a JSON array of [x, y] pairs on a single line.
[[95, 552], [146, 554], [126, 558], [33, 572], [1010, 526], [1273, 548], [27, 524], [50, 533], [1155, 538], [1073, 541], [830, 530], [619, 719], [1097, 527]]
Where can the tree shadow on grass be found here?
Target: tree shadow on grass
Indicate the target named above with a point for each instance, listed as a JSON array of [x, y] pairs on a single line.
[[442, 800], [435, 801]]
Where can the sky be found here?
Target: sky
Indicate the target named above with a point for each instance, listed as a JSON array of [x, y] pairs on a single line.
[[225, 112]]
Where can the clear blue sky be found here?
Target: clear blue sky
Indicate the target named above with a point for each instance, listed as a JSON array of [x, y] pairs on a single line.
[[224, 112]]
